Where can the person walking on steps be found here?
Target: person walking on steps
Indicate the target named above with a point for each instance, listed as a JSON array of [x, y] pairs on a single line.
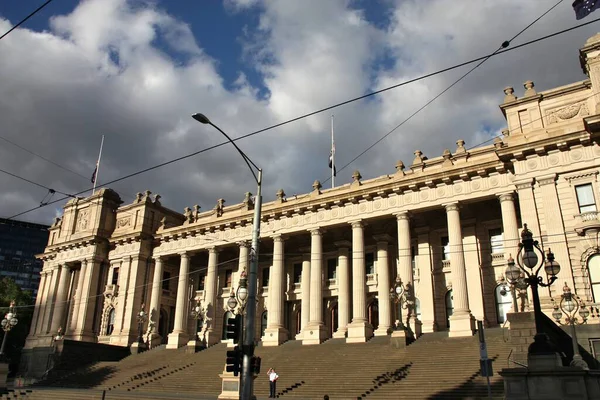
[[272, 383]]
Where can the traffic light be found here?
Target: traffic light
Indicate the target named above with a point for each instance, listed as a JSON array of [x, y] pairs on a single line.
[[234, 328], [255, 365], [234, 360]]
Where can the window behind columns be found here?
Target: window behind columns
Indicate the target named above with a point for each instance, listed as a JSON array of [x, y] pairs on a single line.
[[228, 275], [297, 272], [594, 273], [115, 277], [332, 268], [496, 240], [166, 282], [445, 247], [201, 280], [265, 276], [585, 198], [370, 263]]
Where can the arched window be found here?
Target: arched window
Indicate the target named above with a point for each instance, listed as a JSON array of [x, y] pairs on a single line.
[[594, 271], [227, 315], [263, 323], [110, 324], [449, 306], [503, 302]]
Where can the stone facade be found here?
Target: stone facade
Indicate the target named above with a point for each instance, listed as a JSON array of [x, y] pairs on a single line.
[[445, 225]]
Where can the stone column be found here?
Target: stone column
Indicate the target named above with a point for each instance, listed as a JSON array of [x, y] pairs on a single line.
[[210, 297], [315, 331], [305, 301], [343, 289], [38, 304], [243, 260], [59, 318], [155, 300], [77, 298], [425, 292], [461, 321], [275, 334], [179, 336], [359, 330], [510, 227], [49, 301], [383, 285]]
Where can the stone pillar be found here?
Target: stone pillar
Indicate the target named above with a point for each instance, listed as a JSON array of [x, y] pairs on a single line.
[[49, 301], [383, 285], [315, 331], [179, 336], [305, 301], [462, 322], [60, 307], [275, 334], [510, 227], [359, 330], [155, 301], [39, 305], [343, 278], [424, 291], [243, 260], [87, 301], [210, 297], [405, 267], [133, 290], [77, 299]]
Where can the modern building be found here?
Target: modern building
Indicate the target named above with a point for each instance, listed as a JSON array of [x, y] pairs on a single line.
[[444, 225], [20, 242]]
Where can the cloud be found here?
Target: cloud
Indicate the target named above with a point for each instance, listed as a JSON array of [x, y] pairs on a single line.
[[134, 73]]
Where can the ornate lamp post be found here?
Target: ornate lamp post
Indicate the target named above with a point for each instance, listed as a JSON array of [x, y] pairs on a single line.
[[197, 314], [402, 297], [569, 305], [141, 317], [240, 296], [10, 321], [518, 289], [527, 262]]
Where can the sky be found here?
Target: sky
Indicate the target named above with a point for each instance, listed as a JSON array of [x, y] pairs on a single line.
[[136, 70]]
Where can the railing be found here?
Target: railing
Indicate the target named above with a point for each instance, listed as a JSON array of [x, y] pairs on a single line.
[[331, 282], [297, 286], [498, 258], [590, 216], [446, 265], [371, 279]]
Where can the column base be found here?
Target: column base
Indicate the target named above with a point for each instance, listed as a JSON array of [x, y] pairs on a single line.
[[274, 336], [428, 326], [193, 346], [137, 348], [461, 325], [177, 340], [383, 331], [341, 333], [400, 338], [315, 334], [359, 332]]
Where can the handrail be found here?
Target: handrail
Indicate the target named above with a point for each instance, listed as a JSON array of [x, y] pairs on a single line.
[[513, 361]]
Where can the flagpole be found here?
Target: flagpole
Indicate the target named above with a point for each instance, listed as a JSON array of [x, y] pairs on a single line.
[[332, 156], [98, 165]]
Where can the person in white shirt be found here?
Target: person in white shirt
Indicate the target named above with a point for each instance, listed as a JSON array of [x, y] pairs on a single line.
[[272, 383]]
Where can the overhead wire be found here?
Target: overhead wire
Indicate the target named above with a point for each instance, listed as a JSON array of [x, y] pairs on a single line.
[[160, 165], [25, 19]]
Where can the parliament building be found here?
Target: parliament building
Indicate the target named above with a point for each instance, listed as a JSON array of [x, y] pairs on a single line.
[[444, 225]]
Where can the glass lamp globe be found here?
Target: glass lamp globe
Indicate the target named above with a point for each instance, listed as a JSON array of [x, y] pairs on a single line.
[[9, 316], [242, 293], [231, 302], [584, 312], [4, 323], [512, 271], [13, 321], [399, 290], [556, 314], [569, 305], [530, 259], [551, 266]]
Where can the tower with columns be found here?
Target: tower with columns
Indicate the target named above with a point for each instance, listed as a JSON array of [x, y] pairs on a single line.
[[444, 225]]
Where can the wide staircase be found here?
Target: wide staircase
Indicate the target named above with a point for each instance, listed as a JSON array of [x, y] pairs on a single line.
[[433, 367]]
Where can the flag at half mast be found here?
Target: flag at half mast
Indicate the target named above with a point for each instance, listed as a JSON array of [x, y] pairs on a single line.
[[332, 157]]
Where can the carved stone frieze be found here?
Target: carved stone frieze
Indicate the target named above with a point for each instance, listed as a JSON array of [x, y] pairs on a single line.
[[82, 220], [123, 222], [565, 113]]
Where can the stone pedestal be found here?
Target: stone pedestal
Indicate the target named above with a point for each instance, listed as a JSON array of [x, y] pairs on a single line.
[[3, 376], [274, 336], [461, 325], [359, 332], [400, 339], [155, 340], [416, 327], [230, 386], [177, 340], [137, 347], [314, 334], [194, 346]]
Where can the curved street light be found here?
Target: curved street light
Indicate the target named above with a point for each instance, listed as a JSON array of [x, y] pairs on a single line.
[[9, 322], [527, 262], [247, 381], [568, 306]]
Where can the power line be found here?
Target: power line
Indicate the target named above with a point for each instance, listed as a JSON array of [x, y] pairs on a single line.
[[320, 111], [36, 184], [502, 46], [25, 19]]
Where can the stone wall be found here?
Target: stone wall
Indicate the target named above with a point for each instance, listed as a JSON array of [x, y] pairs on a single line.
[[521, 333]]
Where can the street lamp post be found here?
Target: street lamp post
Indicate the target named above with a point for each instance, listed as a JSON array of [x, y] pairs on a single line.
[[248, 343], [401, 296], [527, 262], [141, 317], [240, 297], [569, 305], [518, 287], [10, 321]]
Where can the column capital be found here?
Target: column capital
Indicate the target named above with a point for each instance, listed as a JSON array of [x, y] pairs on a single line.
[[546, 180], [213, 250], [403, 215], [279, 238], [452, 206], [158, 259], [524, 184], [316, 231], [244, 243], [383, 238], [184, 255], [343, 244], [507, 196], [357, 224]]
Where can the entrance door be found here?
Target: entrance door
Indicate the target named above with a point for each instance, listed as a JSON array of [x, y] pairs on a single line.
[[373, 311]]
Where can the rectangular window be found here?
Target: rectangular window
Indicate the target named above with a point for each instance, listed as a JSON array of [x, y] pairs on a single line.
[[298, 273], [370, 263], [115, 277], [166, 280], [265, 276], [496, 240], [446, 248], [413, 259], [585, 198], [228, 275], [332, 268], [201, 280]]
